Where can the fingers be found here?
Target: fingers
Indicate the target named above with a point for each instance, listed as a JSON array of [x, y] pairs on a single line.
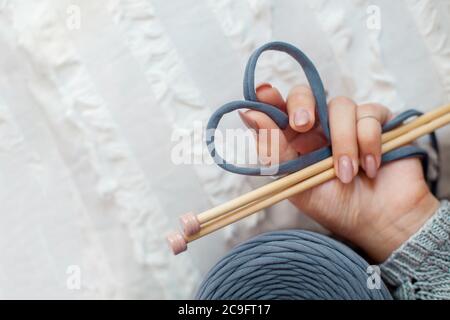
[[267, 94], [355, 131], [356, 137], [255, 119], [342, 114], [266, 128], [370, 118], [301, 108]]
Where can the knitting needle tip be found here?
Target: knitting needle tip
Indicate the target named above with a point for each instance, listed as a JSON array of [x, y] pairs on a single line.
[[176, 242], [190, 223]]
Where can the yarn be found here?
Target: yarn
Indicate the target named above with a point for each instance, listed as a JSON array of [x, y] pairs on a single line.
[[291, 264]]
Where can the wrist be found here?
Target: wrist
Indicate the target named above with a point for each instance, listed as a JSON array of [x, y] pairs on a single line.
[[400, 226]]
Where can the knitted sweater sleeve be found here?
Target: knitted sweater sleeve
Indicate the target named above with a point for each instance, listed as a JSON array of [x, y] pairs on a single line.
[[420, 268]]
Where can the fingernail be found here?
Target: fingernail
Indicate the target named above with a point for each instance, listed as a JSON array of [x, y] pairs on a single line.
[[301, 117], [249, 122], [345, 169], [370, 166], [263, 86]]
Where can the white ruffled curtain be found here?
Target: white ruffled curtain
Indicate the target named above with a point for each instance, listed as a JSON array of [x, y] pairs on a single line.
[[93, 94]]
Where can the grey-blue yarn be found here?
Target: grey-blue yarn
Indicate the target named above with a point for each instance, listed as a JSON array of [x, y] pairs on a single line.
[[282, 120], [291, 264]]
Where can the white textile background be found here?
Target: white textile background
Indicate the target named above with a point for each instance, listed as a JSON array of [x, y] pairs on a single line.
[[88, 113]]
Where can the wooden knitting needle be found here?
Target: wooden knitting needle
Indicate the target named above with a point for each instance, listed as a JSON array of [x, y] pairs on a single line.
[[192, 223], [178, 242]]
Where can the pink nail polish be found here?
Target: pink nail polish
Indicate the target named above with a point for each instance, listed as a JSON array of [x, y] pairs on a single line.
[[345, 169], [301, 118], [371, 166]]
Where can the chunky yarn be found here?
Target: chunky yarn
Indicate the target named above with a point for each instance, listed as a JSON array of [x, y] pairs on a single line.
[[291, 265]]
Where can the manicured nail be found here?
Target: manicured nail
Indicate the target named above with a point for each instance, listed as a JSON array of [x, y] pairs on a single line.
[[301, 117], [345, 169], [249, 122], [264, 85], [370, 166]]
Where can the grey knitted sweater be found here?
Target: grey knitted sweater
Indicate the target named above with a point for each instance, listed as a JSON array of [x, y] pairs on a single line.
[[420, 268]]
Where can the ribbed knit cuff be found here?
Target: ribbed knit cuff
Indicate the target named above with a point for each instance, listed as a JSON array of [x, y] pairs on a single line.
[[420, 268]]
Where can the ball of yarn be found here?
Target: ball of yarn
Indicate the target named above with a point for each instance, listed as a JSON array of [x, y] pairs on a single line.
[[291, 264]]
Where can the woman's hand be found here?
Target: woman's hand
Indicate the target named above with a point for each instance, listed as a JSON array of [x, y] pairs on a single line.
[[377, 208]]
